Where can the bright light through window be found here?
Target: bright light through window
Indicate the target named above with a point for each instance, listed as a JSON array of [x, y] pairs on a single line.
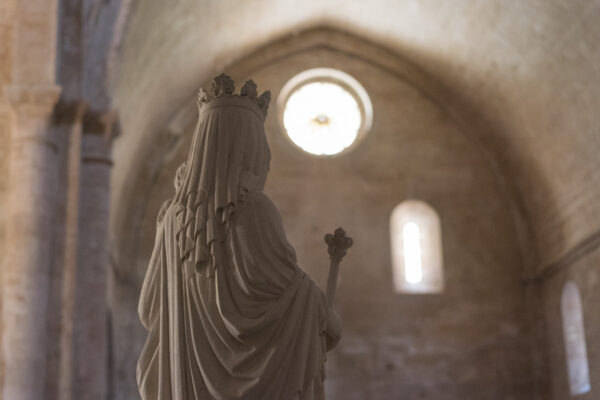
[[324, 111], [574, 337], [416, 245], [322, 118], [411, 238]]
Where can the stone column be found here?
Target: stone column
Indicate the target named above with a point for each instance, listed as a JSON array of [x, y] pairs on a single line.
[[28, 248], [90, 313], [67, 126]]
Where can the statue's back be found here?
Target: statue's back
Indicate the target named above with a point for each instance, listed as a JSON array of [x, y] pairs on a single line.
[[230, 314]]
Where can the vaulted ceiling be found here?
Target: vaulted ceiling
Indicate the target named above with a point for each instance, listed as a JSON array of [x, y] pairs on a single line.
[[523, 75]]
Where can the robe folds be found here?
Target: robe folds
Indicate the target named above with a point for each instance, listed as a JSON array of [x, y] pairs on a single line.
[[229, 313], [255, 329]]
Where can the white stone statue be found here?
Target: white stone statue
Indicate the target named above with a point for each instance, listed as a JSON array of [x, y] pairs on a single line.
[[230, 314]]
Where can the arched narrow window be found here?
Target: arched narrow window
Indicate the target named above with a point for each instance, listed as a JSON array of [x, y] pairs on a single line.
[[574, 336], [416, 244]]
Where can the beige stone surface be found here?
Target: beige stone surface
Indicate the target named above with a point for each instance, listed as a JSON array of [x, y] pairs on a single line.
[[517, 81], [524, 73], [5, 121], [89, 368], [416, 345], [28, 241], [584, 272], [62, 271]]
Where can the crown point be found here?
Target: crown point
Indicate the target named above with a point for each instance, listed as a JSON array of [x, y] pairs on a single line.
[[223, 84], [249, 89], [264, 100], [203, 96]]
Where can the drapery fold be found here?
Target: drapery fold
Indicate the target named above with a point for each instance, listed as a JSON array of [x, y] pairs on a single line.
[[230, 315]]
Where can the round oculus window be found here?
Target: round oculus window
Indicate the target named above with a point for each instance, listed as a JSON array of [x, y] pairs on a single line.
[[324, 111]]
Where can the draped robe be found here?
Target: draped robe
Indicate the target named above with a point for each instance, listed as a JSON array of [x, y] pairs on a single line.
[[244, 322]]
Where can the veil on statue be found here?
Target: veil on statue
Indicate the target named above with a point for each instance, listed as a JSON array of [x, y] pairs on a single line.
[[229, 156]]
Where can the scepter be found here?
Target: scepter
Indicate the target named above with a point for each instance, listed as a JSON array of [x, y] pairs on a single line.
[[337, 245]]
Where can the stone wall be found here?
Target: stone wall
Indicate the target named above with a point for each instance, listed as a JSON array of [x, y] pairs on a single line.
[[512, 108], [472, 341], [525, 72], [6, 37], [585, 273], [4, 136]]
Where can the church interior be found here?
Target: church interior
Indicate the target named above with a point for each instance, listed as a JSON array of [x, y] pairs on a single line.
[[465, 166]]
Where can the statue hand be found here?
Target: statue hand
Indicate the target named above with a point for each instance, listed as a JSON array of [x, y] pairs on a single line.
[[333, 330]]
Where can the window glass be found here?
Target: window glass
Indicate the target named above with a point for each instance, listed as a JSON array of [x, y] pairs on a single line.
[[416, 245], [574, 337]]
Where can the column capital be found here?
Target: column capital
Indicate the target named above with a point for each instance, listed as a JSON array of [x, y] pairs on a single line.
[[32, 107], [69, 112], [101, 123], [99, 130], [37, 100]]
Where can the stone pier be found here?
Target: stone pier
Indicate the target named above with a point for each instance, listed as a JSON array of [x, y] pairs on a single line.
[[90, 313], [29, 240]]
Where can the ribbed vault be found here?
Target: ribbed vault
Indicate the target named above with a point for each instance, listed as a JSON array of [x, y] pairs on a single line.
[[522, 75]]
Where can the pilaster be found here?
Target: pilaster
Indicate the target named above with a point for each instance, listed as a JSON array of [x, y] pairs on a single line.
[[67, 121], [30, 202], [90, 317]]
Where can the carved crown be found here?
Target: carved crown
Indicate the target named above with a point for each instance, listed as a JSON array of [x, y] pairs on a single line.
[[223, 88]]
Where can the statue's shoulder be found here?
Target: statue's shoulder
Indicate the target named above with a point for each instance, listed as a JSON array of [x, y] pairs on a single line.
[[257, 203], [270, 212]]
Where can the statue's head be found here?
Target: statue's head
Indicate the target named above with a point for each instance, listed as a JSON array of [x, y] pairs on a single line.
[[232, 127]]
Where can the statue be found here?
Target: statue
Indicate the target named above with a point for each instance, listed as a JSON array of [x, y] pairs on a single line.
[[230, 315]]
